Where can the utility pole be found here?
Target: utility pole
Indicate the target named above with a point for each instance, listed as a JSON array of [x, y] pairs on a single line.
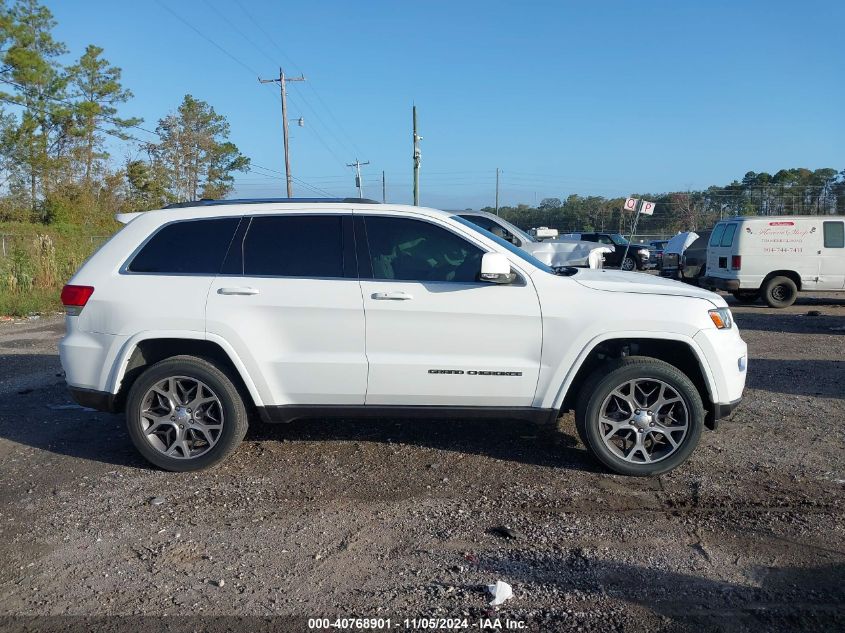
[[417, 139], [497, 191], [383, 187], [358, 183], [282, 81]]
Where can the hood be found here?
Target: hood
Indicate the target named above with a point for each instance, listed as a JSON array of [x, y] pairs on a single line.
[[563, 253], [642, 283], [680, 242]]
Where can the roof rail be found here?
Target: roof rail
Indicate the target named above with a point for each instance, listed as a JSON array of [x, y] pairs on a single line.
[[207, 202]]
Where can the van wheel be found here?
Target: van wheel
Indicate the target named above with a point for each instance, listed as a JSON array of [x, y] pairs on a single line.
[[746, 296], [780, 292], [184, 414], [640, 416]]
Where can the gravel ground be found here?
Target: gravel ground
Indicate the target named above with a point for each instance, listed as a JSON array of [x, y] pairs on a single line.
[[398, 518]]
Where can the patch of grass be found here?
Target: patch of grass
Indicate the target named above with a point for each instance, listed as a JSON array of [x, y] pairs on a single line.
[[37, 300], [36, 261]]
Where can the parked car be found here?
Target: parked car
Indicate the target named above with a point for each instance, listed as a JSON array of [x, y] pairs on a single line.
[[655, 248], [638, 257], [192, 318], [775, 257], [690, 265], [552, 252]]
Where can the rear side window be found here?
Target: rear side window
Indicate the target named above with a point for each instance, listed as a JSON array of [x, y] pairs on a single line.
[[294, 246], [728, 237], [717, 234], [188, 247], [834, 234]]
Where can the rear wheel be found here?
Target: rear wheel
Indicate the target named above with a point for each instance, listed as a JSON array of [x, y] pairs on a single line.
[[746, 296], [780, 292], [184, 414], [640, 417]]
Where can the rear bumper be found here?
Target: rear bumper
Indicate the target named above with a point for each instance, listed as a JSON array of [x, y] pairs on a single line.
[[718, 283], [99, 400]]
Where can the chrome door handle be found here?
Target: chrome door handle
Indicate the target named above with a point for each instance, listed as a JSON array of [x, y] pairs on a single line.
[[237, 291], [392, 296]]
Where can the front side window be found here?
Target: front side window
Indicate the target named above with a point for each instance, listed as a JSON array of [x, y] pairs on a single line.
[[294, 246], [834, 234], [414, 250], [194, 247], [618, 240], [718, 232]]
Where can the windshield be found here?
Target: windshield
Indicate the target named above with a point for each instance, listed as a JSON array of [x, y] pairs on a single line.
[[505, 244], [618, 239]]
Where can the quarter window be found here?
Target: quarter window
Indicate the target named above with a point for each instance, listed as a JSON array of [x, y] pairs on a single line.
[[294, 246], [189, 247], [834, 234], [413, 250]]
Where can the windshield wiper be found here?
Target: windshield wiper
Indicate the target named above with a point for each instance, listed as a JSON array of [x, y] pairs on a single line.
[[564, 271]]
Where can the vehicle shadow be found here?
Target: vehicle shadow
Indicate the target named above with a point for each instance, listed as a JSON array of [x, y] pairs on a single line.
[[790, 323], [42, 415], [506, 440], [772, 599], [825, 378]]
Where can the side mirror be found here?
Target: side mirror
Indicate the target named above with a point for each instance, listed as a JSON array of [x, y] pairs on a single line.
[[496, 269]]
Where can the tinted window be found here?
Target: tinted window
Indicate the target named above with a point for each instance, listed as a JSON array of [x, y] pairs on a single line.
[[294, 246], [505, 244], [834, 234], [191, 246], [717, 234], [413, 250], [728, 237]]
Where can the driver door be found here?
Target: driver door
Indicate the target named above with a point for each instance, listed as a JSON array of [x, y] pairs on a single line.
[[434, 334]]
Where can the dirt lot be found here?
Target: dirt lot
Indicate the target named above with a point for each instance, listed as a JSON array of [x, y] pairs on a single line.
[[394, 519]]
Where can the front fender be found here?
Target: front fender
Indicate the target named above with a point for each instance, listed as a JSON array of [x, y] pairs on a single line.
[[564, 374]]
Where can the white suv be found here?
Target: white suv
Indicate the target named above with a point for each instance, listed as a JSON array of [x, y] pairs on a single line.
[[192, 318]]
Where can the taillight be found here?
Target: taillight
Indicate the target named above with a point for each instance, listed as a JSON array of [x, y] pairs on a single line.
[[736, 262], [74, 298]]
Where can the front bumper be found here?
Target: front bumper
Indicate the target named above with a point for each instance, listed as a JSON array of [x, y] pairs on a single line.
[[717, 283]]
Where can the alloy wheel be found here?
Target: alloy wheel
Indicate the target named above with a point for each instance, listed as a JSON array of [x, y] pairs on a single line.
[[643, 421], [181, 417]]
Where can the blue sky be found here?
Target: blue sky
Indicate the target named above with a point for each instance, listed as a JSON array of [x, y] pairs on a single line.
[[603, 98]]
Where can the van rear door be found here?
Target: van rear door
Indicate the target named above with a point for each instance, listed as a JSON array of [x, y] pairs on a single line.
[[719, 250]]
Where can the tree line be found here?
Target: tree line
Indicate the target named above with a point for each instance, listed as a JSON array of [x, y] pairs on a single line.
[[56, 123], [796, 191]]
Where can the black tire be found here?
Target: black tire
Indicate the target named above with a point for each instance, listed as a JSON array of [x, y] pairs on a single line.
[[746, 296], [235, 419], [780, 292], [629, 263], [607, 378]]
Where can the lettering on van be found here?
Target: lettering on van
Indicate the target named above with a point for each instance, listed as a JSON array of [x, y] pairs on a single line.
[[784, 238]]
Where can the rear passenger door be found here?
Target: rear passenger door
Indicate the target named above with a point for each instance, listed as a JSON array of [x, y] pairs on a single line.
[[832, 256], [289, 301]]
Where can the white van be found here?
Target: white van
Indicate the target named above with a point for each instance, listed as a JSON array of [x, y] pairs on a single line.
[[774, 257]]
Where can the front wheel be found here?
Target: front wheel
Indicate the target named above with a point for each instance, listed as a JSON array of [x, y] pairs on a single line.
[[185, 414], [629, 264], [640, 417]]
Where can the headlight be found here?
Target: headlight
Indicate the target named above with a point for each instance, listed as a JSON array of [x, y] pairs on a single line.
[[644, 252], [722, 318]]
